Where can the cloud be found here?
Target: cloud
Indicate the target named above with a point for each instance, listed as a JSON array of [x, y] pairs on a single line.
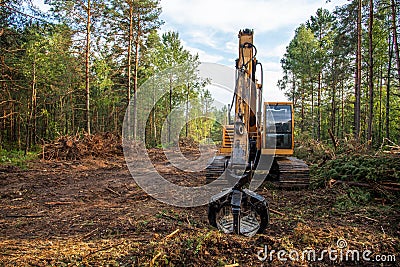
[[203, 55], [275, 51], [231, 47], [271, 92], [202, 37], [41, 5], [229, 16], [271, 66], [209, 28]]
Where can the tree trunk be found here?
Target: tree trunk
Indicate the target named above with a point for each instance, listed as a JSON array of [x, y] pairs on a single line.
[[312, 110], [302, 106], [333, 106], [380, 85], [135, 78], [129, 63], [342, 115], [2, 128], [29, 130], [294, 90], [19, 132], [387, 120], [34, 113], [66, 117], [154, 126], [396, 47], [371, 73], [187, 111], [319, 107], [357, 103], [72, 114], [169, 109], [88, 26], [3, 88]]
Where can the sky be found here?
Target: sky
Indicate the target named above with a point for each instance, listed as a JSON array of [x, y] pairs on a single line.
[[210, 28]]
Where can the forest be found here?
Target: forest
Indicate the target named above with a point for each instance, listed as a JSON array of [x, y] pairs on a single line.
[[75, 68], [71, 76], [342, 72]]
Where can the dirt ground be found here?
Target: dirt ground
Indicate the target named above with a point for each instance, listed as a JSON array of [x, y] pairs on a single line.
[[91, 213]]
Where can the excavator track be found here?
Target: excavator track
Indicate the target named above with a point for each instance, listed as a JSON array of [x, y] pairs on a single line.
[[286, 172], [291, 172], [215, 168]]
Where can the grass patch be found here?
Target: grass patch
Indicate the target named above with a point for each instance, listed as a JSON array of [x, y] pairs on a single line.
[[16, 158]]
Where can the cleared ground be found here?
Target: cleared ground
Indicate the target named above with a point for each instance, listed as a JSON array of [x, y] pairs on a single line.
[[91, 213]]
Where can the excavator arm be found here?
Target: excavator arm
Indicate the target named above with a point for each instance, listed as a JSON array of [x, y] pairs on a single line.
[[246, 144], [236, 209]]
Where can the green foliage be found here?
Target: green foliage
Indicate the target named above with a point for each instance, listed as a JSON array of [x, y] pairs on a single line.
[[47, 60], [361, 168], [352, 198], [16, 158], [49, 57], [319, 68], [181, 89], [353, 167]]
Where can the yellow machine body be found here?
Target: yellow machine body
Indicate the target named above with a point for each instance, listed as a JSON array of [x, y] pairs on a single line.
[[252, 113], [269, 126]]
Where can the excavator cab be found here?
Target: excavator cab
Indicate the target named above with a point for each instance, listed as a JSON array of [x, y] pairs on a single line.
[[278, 131]]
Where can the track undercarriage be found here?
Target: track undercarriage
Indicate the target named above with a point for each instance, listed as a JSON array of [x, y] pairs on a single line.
[[285, 172], [290, 172]]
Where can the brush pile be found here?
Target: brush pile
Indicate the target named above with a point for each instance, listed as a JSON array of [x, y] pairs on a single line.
[[353, 164], [75, 147], [188, 146]]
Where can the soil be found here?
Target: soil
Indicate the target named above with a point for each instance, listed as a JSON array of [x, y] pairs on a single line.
[[90, 212]]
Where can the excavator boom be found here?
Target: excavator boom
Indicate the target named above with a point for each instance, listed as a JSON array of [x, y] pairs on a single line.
[[269, 125], [258, 132]]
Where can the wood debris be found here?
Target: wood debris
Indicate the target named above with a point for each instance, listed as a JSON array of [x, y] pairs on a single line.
[[75, 147]]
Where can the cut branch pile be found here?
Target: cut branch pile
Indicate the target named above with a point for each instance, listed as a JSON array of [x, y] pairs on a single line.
[[352, 164], [390, 147], [188, 142], [187, 145], [75, 147]]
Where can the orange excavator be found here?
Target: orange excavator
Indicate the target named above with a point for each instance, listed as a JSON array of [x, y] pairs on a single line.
[[257, 145]]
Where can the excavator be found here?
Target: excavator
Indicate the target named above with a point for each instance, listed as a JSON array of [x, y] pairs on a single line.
[[257, 145]]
